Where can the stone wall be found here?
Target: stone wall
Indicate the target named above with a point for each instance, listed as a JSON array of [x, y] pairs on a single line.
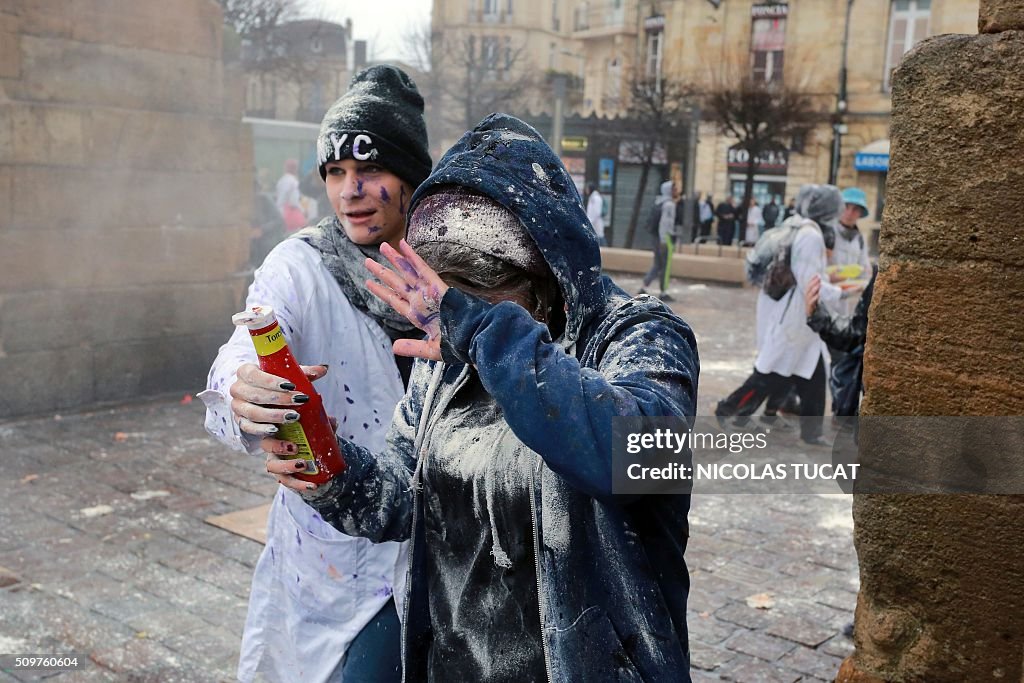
[[125, 191], [942, 576]]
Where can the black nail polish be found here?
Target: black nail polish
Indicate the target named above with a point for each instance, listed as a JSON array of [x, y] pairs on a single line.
[[310, 486], [291, 416], [287, 386], [300, 398], [300, 464]]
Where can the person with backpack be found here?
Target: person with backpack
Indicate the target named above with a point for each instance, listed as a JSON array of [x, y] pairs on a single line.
[[789, 352], [662, 219]]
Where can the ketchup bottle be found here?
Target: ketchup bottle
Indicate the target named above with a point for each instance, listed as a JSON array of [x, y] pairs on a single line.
[[312, 433]]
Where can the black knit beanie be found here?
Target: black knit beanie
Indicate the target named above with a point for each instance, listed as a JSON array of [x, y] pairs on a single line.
[[380, 118]]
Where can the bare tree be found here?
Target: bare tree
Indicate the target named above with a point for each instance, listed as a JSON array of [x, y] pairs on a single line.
[[763, 117], [264, 46], [464, 76], [659, 109]]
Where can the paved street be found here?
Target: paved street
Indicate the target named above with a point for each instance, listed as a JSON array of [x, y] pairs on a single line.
[[104, 552]]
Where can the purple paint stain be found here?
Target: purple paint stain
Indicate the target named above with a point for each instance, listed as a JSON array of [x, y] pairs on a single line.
[[384, 196], [366, 426], [282, 496], [350, 401], [425, 320], [298, 539], [273, 556], [408, 267], [401, 200], [297, 580], [346, 387], [359, 187], [384, 591], [374, 229]]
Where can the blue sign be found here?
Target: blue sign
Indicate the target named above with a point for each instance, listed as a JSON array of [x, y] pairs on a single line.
[[871, 162], [605, 174]]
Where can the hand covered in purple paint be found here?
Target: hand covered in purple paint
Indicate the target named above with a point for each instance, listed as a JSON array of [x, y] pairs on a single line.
[[414, 290]]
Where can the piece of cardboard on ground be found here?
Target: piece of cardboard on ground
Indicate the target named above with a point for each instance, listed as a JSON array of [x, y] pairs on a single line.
[[251, 523]]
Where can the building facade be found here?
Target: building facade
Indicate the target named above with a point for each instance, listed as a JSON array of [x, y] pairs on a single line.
[[604, 44]]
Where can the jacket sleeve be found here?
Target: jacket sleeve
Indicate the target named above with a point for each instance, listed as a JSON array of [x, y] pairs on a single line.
[[557, 407], [840, 332], [274, 284], [373, 497]]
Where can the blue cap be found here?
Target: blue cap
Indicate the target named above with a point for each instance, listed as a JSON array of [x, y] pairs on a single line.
[[856, 196]]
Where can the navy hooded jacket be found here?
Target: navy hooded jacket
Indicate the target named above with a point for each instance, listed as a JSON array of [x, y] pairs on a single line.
[[612, 581]]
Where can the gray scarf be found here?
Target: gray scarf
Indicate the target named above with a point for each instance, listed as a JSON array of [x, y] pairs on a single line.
[[344, 260]]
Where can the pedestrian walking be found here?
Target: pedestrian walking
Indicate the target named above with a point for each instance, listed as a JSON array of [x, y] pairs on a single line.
[[790, 209], [321, 606], [498, 467], [661, 268], [289, 199], [706, 211], [770, 215], [595, 213], [753, 222], [788, 350]]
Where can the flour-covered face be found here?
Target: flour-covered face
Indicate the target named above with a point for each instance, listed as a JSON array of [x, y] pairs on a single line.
[[369, 200]]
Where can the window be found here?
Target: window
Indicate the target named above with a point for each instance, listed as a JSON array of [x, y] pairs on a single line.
[[489, 55], [556, 23], [767, 47], [490, 6], [908, 24], [654, 49]]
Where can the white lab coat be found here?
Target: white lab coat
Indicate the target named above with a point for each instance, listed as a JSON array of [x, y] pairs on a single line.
[[314, 588], [846, 252], [786, 345], [595, 207]]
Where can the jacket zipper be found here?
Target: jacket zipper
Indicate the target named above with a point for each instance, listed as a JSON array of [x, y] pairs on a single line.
[[540, 586]]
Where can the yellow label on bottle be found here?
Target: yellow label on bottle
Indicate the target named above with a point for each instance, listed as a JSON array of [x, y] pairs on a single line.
[[270, 342], [293, 432]]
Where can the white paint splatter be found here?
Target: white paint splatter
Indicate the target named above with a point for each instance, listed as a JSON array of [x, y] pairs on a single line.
[[146, 495], [97, 511]]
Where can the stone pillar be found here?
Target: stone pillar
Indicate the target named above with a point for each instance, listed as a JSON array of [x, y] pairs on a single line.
[[125, 192], [942, 576]]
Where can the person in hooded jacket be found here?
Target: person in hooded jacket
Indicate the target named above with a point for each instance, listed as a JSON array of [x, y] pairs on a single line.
[[321, 606], [661, 268], [790, 353], [524, 563]]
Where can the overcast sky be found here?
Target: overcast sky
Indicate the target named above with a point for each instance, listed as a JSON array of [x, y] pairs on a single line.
[[382, 23]]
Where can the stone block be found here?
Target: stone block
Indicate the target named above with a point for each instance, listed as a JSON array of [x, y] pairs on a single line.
[[995, 16], [45, 380], [44, 319], [61, 197], [939, 609], [953, 100], [154, 366], [950, 327], [54, 70], [10, 46]]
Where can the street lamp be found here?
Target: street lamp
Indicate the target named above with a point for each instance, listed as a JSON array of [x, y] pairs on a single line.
[[838, 124]]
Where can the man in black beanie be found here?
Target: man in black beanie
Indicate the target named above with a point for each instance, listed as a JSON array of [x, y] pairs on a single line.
[[321, 606]]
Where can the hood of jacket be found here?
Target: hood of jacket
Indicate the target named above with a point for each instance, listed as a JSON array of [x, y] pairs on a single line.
[[664, 193], [507, 160]]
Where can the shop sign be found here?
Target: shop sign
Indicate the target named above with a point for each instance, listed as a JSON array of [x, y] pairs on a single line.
[[574, 144], [773, 10], [769, 162], [865, 161]]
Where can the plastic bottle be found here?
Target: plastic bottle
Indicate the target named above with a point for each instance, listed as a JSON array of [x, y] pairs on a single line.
[[312, 433]]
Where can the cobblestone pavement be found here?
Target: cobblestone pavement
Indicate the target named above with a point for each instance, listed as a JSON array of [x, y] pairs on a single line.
[[104, 552]]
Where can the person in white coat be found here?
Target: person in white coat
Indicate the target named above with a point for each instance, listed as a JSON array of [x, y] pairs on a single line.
[[788, 350], [322, 606], [595, 213]]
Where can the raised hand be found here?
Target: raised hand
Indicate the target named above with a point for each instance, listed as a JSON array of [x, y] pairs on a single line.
[[414, 290]]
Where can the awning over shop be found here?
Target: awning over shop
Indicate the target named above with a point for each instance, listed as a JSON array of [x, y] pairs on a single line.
[[873, 157]]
